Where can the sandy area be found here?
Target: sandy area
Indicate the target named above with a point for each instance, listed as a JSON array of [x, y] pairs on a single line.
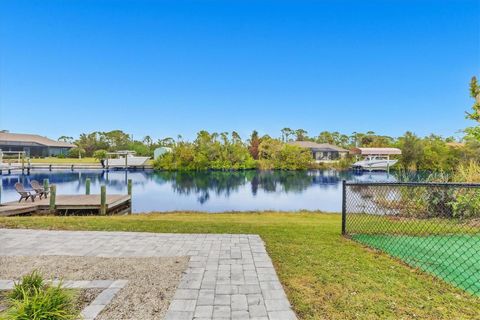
[[152, 281]]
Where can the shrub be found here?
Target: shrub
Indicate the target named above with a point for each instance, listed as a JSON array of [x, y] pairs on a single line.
[[100, 154], [27, 286], [76, 152], [32, 299], [469, 172], [49, 303], [466, 205]]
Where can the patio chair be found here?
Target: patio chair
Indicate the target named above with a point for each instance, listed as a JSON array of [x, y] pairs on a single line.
[[24, 194], [39, 189]]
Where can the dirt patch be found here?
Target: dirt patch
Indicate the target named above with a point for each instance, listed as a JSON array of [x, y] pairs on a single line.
[[84, 297], [151, 281]]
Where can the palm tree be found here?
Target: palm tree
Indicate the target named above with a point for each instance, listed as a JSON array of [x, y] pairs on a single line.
[[301, 134], [286, 132]]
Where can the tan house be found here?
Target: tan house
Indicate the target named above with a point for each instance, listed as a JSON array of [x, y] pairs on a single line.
[[322, 152], [33, 145]]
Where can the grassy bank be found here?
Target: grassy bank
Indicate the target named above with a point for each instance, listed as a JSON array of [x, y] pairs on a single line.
[[88, 160], [54, 160], [325, 275]]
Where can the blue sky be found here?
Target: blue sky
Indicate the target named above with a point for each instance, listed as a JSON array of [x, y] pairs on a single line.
[[175, 67]]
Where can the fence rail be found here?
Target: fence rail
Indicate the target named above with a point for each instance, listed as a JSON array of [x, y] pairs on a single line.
[[431, 226]]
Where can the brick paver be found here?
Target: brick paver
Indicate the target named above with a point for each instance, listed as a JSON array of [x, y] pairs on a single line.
[[228, 276]]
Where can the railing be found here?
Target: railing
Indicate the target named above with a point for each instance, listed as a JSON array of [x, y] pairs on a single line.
[[431, 226]]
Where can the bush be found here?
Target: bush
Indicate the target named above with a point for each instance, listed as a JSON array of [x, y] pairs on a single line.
[[32, 299], [27, 286], [100, 154], [466, 205], [76, 152]]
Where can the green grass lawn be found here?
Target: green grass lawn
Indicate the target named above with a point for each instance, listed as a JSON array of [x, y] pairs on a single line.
[[87, 160], [325, 275], [54, 160]]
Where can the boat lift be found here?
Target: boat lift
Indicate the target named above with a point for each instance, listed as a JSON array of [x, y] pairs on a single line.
[[375, 158], [124, 159]]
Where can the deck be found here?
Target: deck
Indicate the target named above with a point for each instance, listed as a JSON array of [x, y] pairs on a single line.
[[66, 204]]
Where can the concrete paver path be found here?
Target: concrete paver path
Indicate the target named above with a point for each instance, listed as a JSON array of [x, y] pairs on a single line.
[[228, 277]]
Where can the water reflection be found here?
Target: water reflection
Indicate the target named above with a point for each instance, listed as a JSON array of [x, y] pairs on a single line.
[[208, 190]]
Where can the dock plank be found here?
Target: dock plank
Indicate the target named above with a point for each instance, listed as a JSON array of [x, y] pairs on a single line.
[[63, 202]]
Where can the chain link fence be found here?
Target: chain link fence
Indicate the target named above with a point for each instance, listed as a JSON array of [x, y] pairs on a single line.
[[431, 226]]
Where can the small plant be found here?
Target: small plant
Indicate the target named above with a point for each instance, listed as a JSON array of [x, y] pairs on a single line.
[[27, 286], [32, 299], [466, 205]]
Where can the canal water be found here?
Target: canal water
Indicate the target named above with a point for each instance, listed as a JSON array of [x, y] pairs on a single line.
[[211, 191]]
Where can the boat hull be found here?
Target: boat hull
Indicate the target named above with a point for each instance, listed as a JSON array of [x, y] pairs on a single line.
[[375, 165]]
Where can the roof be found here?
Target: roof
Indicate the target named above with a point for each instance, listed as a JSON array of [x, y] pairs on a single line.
[[11, 138], [376, 151], [317, 146]]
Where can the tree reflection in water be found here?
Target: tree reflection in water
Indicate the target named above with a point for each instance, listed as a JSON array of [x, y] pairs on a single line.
[[224, 183]]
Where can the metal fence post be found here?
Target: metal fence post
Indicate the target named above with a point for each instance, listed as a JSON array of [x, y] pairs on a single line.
[[344, 207]]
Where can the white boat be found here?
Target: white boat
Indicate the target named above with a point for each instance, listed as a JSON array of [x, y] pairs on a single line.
[[372, 163], [376, 159], [126, 159]]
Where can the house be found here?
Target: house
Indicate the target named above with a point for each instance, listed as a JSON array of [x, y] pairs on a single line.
[[322, 152], [33, 145]]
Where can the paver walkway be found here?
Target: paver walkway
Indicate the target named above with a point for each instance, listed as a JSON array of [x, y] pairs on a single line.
[[228, 276]]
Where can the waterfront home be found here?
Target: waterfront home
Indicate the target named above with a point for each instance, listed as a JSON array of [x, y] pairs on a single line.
[[33, 145], [322, 152]]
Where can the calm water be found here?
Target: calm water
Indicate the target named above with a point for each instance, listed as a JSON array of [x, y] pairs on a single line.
[[208, 191]]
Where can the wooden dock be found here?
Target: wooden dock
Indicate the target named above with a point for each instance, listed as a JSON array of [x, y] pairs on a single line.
[[69, 205]]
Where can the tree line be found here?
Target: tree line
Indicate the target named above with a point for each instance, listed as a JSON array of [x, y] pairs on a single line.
[[224, 151]]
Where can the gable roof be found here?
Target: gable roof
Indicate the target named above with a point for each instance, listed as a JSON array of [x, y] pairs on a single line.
[[32, 139], [325, 147]]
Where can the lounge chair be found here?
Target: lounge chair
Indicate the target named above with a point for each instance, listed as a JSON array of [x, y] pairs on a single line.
[[24, 194], [39, 189]]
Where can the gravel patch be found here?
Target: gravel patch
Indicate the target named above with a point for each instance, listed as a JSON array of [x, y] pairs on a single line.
[[151, 285]]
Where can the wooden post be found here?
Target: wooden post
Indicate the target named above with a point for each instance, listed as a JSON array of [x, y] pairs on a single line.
[[45, 184], [126, 162], [50, 167], [103, 200], [344, 207], [129, 188], [53, 196], [87, 186]]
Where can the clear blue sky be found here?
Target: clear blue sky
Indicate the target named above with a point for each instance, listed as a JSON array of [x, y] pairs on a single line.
[[175, 67]]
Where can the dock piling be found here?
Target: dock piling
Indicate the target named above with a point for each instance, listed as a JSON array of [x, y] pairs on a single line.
[[45, 184], [87, 186], [129, 188], [53, 196], [103, 200]]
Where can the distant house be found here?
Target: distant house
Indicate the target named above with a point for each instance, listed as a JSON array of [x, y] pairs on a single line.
[[33, 145], [322, 151]]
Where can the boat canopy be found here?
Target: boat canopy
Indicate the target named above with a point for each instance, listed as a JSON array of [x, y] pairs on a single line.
[[122, 152], [376, 151]]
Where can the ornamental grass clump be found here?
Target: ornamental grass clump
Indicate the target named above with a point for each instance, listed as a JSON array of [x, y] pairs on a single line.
[[33, 299], [27, 286]]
